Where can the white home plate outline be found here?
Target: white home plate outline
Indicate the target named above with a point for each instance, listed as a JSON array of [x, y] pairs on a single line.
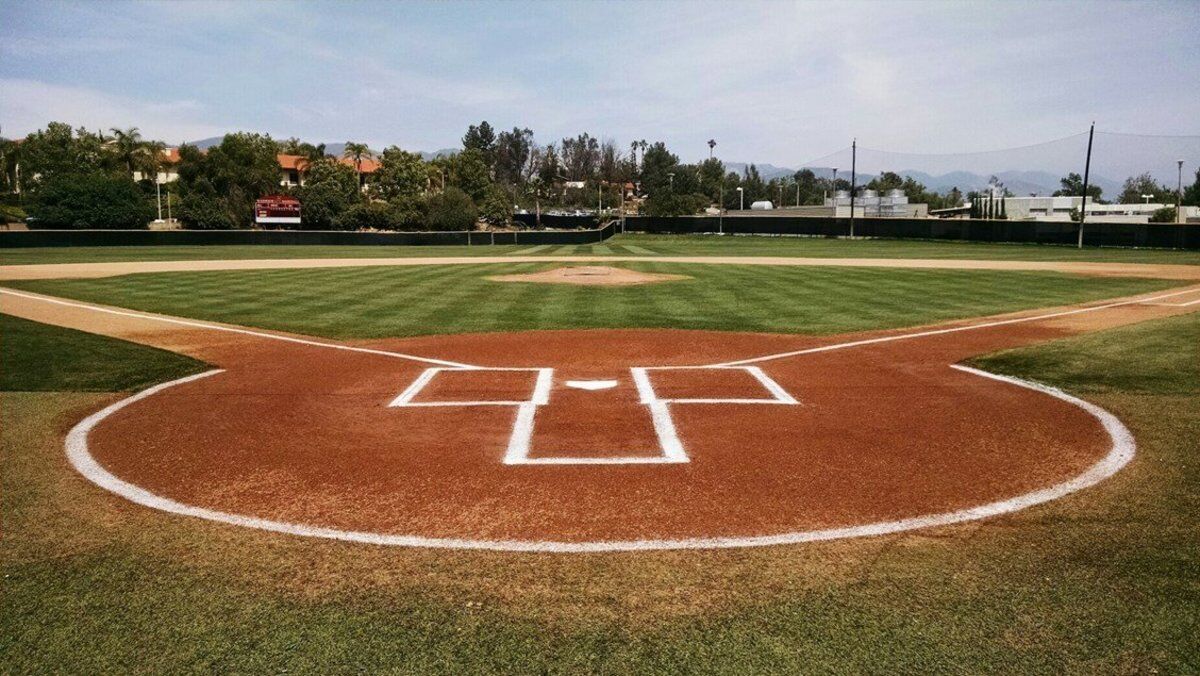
[[670, 448]]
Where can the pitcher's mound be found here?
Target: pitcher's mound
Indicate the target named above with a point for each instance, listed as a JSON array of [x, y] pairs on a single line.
[[590, 275]]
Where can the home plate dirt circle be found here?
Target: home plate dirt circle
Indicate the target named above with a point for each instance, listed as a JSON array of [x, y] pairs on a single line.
[[599, 440]]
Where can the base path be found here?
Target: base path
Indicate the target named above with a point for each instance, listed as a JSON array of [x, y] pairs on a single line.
[[598, 440]]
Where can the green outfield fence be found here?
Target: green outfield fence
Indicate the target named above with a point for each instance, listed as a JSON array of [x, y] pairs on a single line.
[[58, 238], [1151, 235]]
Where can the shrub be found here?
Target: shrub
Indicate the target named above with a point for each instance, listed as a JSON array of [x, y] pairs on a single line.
[[496, 207], [91, 201], [672, 204], [368, 216], [1163, 215], [411, 212], [201, 212], [451, 210]]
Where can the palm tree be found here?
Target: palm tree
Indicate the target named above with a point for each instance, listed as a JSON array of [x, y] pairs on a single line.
[[128, 146], [711, 144], [357, 151]]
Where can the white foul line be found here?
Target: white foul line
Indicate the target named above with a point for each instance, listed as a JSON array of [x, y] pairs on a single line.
[[230, 329], [956, 329], [1120, 453]]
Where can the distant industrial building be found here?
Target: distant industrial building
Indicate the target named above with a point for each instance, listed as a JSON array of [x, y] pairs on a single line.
[[891, 204]]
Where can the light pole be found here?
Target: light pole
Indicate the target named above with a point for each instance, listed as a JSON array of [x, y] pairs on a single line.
[[158, 197], [671, 175], [1147, 198], [741, 199], [1179, 193]]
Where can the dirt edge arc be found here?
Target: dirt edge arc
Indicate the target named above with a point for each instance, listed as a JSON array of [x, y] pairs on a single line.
[[1122, 451]]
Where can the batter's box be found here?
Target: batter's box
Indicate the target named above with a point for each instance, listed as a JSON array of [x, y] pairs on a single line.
[[708, 385], [478, 387]]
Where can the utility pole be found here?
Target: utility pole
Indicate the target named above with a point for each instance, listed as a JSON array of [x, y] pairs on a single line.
[[853, 180], [1087, 166], [1179, 194]]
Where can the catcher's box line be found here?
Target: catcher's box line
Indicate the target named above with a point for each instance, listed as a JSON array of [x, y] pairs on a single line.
[[518, 452], [1121, 452]]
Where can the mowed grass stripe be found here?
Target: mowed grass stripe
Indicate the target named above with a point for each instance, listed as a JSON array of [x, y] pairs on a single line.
[[532, 250], [631, 248], [376, 302]]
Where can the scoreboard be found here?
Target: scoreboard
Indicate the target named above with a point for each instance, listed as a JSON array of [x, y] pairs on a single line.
[[277, 210]]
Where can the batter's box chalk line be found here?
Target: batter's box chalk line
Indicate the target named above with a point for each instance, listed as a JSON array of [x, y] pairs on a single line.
[[670, 447]]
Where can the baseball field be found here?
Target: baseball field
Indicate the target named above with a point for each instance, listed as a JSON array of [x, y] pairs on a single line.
[[654, 454]]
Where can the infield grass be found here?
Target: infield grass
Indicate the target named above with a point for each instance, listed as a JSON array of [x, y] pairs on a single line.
[[1104, 581], [377, 302], [631, 244]]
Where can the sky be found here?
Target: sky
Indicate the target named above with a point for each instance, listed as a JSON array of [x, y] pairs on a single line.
[[779, 82]]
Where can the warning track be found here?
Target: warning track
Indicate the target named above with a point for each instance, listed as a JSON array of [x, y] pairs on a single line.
[[843, 436]]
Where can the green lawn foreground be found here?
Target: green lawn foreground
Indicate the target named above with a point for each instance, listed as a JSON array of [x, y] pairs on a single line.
[[37, 358], [1106, 581], [381, 301], [630, 244]]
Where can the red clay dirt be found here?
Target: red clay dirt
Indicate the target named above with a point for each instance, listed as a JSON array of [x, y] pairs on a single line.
[[305, 434]]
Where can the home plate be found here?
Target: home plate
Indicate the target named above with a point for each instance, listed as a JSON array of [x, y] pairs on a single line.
[[591, 384]]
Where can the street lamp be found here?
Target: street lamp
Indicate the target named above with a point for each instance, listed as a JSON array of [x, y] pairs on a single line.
[[671, 175], [1147, 198], [741, 199]]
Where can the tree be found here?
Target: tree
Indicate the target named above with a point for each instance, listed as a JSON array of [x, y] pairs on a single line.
[[1072, 186], [483, 139], [550, 167], [1144, 184], [356, 152], [451, 210], [400, 174], [218, 188], [1191, 193], [468, 171], [59, 151], [329, 189], [711, 179], [128, 147], [10, 159], [580, 157], [94, 200], [512, 152], [658, 164]]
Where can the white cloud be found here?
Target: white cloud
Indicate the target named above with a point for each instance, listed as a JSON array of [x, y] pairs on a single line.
[[27, 105]]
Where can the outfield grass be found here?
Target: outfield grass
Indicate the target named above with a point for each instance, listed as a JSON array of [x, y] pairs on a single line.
[[375, 302], [621, 245], [1104, 581], [36, 357]]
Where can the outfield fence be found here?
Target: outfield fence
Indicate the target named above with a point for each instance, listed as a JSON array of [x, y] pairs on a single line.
[[1152, 235], [60, 238]]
